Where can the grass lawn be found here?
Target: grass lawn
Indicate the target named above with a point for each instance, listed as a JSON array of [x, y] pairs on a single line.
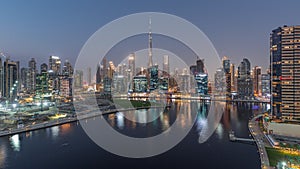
[[276, 156]]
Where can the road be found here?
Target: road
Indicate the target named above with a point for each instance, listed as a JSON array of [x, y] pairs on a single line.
[[258, 136]]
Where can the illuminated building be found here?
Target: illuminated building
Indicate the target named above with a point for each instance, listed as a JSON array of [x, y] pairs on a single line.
[[32, 75], [153, 72], [257, 81], [119, 84], [201, 83], [244, 83], [67, 69], [140, 84], [89, 75], [163, 84], [55, 64], [226, 69], [65, 86], [44, 67], [10, 80], [78, 78], [166, 67], [285, 64], [150, 61], [233, 78], [265, 84], [24, 78], [42, 84], [220, 83]]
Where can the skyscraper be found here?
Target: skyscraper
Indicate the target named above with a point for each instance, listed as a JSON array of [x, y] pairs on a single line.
[[226, 69], [257, 81], [150, 61], [285, 63], [24, 78], [55, 64], [244, 83], [233, 79], [32, 75], [220, 83], [89, 75], [200, 65], [265, 84], [44, 67], [78, 79], [166, 67], [131, 65], [11, 77], [67, 69]]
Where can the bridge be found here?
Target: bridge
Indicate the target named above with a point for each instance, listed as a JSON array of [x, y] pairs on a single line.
[[232, 137]]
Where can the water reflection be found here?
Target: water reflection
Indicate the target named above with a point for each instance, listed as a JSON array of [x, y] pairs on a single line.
[[3, 156], [55, 131], [120, 120], [15, 142], [233, 116], [212, 120]]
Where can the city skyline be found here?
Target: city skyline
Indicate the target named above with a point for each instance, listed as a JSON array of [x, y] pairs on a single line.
[[190, 84], [48, 30]]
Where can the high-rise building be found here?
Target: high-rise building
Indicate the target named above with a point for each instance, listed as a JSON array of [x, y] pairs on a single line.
[[44, 67], [244, 82], [131, 66], [24, 79], [153, 73], [32, 75], [257, 81], [226, 69], [226, 64], [89, 75], [67, 69], [265, 84], [166, 67], [220, 82], [111, 70], [65, 84], [232, 79], [42, 84], [55, 64], [78, 79], [150, 61], [200, 66], [285, 63], [140, 84], [11, 77], [201, 83], [184, 82]]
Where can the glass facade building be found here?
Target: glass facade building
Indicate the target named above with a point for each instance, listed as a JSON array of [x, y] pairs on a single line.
[[285, 72]]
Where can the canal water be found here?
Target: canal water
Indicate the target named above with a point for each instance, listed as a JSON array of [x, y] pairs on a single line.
[[69, 147]]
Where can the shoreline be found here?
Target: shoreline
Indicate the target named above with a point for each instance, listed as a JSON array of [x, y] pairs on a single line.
[[258, 137], [51, 123]]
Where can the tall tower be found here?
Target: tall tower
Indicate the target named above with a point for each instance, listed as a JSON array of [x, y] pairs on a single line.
[[244, 81], [226, 69], [166, 67], [55, 64], [285, 63], [150, 62], [32, 74]]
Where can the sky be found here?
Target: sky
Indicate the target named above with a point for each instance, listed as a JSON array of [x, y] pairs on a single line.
[[237, 29]]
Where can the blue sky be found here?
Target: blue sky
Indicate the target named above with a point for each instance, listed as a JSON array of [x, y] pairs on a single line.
[[238, 29]]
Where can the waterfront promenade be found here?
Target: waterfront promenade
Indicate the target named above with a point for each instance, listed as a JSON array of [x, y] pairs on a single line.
[[88, 113], [258, 136]]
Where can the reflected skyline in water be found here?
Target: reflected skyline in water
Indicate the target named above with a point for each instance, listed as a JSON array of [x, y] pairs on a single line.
[[69, 141]]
